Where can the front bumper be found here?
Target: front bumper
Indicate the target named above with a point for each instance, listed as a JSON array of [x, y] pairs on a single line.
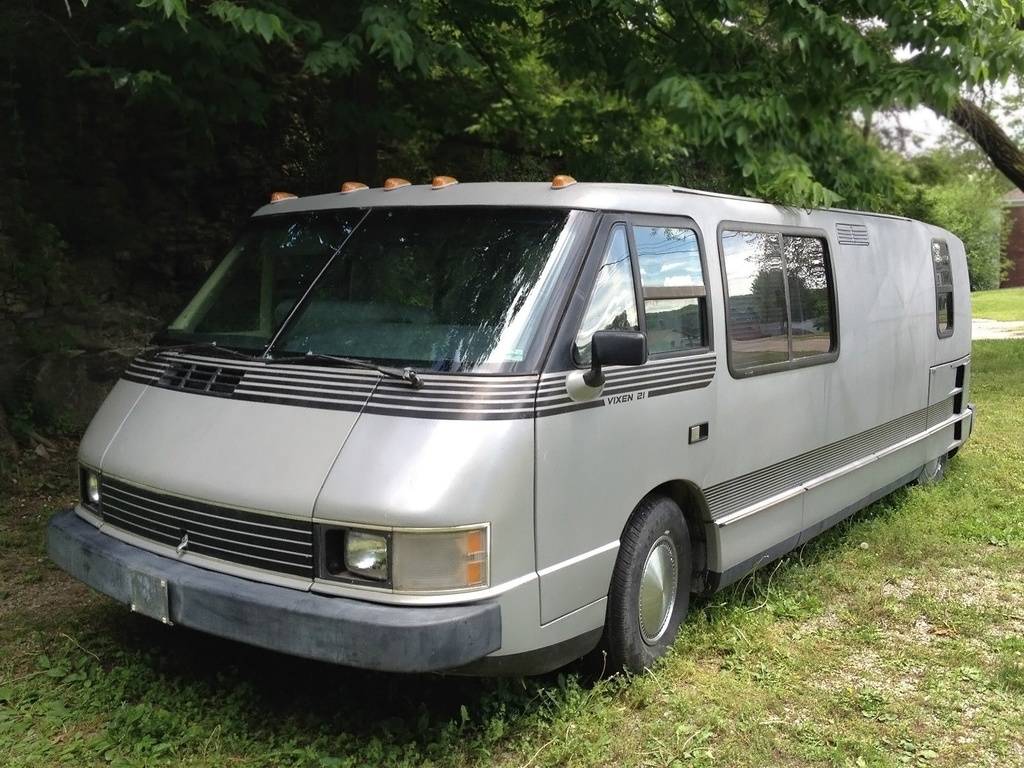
[[334, 629]]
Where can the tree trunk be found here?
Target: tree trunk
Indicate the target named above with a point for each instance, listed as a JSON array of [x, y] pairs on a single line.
[[993, 141]]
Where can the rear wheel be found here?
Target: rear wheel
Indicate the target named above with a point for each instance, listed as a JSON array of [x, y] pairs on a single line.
[[933, 471], [650, 590]]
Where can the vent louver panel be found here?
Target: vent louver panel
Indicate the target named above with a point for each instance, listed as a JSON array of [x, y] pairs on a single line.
[[852, 234], [195, 377]]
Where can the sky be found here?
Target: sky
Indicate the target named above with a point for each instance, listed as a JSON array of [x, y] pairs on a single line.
[[925, 127]]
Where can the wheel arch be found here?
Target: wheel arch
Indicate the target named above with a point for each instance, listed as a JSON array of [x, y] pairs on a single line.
[[703, 534]]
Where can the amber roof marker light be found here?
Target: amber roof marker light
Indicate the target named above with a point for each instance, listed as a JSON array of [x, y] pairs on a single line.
[[393, 182], [561, 181], [352, 186], [440, 182], [277, 197]]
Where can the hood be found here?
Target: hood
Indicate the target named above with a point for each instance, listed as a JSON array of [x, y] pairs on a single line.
[[243, 434]]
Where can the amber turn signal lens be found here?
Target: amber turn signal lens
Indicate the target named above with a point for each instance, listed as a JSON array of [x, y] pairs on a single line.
[[440, 182], [561, 181], [394, 182], [476, 543], [352, 186], [277, 197]]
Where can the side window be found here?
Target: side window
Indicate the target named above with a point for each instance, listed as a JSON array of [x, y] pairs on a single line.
[[673, 288], [943, 288], [780, 299], [613, 300], [809, 296], [757, 299]]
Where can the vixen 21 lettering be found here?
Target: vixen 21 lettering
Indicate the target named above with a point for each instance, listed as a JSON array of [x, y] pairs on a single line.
[[629, 397]]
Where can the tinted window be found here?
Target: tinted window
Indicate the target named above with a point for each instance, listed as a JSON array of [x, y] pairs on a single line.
[[943, 287], [669, 258], [809, 296], [757, 299], [445, 289], [613, 300], [247, 297], [780, 305]]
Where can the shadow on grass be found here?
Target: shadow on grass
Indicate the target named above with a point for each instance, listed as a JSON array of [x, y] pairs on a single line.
[[249, 690]]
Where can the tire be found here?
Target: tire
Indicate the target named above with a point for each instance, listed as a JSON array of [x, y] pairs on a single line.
[[933, 471], [655, 542]]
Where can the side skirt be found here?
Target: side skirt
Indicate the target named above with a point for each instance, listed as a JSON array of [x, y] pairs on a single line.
[[717, 580]]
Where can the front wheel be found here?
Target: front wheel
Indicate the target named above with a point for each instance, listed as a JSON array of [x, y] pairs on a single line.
[[650, 590]]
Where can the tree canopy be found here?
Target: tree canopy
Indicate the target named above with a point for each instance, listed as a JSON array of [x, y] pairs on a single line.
[[760, 93], [168, 119], [138, 134]]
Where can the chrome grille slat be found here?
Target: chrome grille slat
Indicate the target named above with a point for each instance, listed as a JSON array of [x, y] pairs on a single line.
[[169, 520], [299, 533], [278, 544], [196, 535]]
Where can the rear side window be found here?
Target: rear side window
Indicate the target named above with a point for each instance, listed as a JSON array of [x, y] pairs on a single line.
[[613, 301], [943, 288], [672, 278], [780, 303]]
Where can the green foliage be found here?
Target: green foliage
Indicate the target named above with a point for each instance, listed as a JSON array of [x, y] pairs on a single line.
[[582, 84], [974, 213], [249, 20], [1002, 304], [953, 190], [173, 119]]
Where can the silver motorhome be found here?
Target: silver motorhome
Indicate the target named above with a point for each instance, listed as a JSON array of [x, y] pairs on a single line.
[[486, 427]]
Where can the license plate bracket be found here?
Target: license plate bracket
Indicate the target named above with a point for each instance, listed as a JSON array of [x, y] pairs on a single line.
[[149, 596]]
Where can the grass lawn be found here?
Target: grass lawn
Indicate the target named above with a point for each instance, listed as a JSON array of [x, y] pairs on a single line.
[[1000, 304], [896, 639]]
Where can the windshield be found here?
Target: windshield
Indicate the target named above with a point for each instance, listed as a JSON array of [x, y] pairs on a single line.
[[247, 297], [443, 289]]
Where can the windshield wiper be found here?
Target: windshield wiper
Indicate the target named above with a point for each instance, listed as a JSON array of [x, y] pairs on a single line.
[[408, 375], [200, 346]]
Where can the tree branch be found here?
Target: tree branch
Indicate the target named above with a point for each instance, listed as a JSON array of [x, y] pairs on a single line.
[[990, 138]]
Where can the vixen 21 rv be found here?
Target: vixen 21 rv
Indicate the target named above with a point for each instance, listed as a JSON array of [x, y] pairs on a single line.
[[485, 428]]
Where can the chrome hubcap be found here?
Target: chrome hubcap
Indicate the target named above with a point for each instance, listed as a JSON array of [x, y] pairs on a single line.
[[658, 586]]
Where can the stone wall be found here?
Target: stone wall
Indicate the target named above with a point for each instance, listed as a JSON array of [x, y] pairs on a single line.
[[57, 363]]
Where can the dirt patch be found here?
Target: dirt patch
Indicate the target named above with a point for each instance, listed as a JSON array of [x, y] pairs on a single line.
[[54, 593], [982, 328]]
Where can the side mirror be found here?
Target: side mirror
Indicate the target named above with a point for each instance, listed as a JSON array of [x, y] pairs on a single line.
[[614, 348]]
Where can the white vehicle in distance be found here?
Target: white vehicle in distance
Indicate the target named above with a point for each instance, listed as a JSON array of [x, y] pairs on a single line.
[[487, 427]]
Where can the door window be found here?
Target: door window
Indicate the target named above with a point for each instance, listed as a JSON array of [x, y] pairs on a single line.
[[672, 278], [613, 300]]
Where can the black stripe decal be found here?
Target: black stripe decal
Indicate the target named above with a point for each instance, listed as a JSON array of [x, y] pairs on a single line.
[[444, 397]]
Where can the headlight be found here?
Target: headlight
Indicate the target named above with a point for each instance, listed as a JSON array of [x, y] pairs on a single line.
[[366, 555], [90, 488], [440, 561], [407, 561]]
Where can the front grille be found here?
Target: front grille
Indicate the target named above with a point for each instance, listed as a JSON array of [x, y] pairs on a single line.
[[195, 377], [247, 538]]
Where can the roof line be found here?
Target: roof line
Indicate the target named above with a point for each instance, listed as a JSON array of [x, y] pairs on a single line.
[[749, 199]]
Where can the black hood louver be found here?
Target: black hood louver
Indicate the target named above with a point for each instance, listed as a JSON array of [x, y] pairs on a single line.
[[197, 377]]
